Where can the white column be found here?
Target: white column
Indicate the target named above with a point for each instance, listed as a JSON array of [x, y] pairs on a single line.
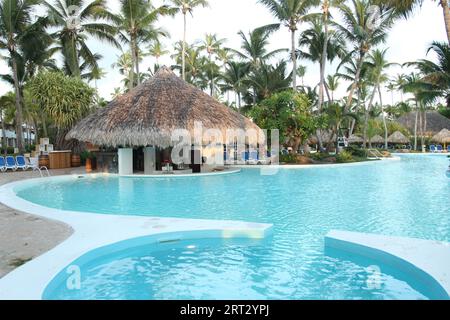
[[125, 161], [149, 160]]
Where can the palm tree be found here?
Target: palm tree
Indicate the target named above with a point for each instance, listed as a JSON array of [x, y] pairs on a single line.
[[185, 7], [332, 85], [399, 82], [7, 102], [136, 25], [268, 79], [407, 7], [291, 13], [363, 32], [211, 44], [157, 50], [234, 79], [377, 65], [254, 48], [23, 39], [74, 20], [423, 94], [124, 64], [437, 74], [195, 64]]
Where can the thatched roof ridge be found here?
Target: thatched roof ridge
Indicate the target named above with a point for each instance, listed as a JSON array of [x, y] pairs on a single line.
[[442, 137], [148, 114], [398, 137], [355, 139], [377, 139], [435, 122]]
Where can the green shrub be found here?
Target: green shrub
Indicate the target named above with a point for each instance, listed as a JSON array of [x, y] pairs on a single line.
[[288, 158], [357, 152], [9, 150], [344, 157]]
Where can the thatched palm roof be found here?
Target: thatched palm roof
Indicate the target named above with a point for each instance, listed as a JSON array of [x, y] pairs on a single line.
[[435, 122], [355, 139], [377, 139], [398, 137], [325, 135], [149, 113], [442, 137]]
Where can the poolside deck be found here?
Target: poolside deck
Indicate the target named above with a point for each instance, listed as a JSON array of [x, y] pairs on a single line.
[[24, 236]]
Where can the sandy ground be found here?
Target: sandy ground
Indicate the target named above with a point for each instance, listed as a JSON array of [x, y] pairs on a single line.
[[24, 236]]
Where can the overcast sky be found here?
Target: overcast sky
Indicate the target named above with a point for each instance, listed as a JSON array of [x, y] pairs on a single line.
[[407, 41]]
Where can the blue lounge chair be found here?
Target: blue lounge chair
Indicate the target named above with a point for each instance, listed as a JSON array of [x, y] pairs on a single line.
[[448, 148], [252, 157], [11, 163], [432, 148], [2, 164], [21, 163], [439, 148]]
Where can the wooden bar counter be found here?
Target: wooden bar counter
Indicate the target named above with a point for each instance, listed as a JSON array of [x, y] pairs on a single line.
[[60, 159]]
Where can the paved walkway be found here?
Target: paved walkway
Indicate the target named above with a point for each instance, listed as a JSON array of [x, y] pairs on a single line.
[[24, 236]]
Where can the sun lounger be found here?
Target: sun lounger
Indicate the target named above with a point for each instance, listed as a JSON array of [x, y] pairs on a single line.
[[21, 163], [439, 148], [448, 148], [432, 148], [11, 163], [2, 164]]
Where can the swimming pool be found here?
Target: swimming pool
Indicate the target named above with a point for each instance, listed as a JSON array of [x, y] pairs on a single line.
[[403, 198]]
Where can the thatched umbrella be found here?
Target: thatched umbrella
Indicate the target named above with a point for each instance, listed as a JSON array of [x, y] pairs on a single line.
[[398, 137], [355, 139], [442, 137], [148, 114], [377, 139]]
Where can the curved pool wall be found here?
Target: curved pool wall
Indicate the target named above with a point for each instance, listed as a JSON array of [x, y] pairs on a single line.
[[426, 260], [93, 231], [79, 222], [149, 244]]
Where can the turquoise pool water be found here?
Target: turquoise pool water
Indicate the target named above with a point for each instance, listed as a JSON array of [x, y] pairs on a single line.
[[402, 198]]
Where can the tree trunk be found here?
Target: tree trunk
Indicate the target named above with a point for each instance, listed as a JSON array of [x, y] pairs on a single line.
[[323, 61], [415, 126], [4, 139], [384, 119], [445, 9], [183, 58], [212, 76], [367, 115], [355, 82], [19, 118], [133, 64], [294, 62], [136, 60]]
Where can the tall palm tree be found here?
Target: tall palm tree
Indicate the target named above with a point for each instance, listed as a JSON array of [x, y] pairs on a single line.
[[407, 7], [157, 50], [21, 37], [291, 13], [211, 44], [136, 25], [399, 81], [377, 64], [423, 94], [185, 7], [75, 20], [124, 64], [332, 84], [437, 73], [254, 49], [234, 79], [364, 32]]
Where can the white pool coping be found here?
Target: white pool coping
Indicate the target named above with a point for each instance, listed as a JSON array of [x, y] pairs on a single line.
[[425, 259], [183, 175], [93, 231], [317, 166]]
